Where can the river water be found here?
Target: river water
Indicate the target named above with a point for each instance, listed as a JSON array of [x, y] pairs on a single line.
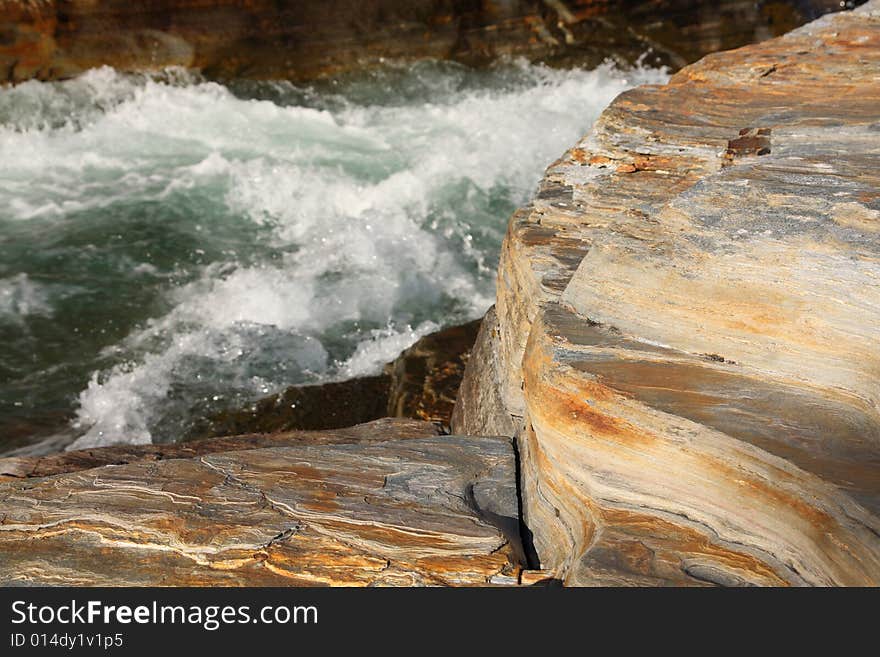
[[170, 247]]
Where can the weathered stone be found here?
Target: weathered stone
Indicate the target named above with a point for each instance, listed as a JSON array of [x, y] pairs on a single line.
[[73, 461], [688, 336], [537, 578], [50, 39], [365, 508], [479, 403]]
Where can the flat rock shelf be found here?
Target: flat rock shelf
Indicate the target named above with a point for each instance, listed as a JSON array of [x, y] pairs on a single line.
[[686, 339], [386, 503]]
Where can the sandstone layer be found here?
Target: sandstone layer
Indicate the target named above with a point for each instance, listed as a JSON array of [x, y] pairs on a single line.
[[304, 39], [686, 340], [383, 504]]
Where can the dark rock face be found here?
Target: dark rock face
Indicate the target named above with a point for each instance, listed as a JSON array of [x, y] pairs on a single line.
[[327, 406], [51, 39], [425, 378], [420, 384]]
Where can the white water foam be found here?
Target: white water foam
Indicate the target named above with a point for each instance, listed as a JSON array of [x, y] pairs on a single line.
[[377, 221], [20, 297]]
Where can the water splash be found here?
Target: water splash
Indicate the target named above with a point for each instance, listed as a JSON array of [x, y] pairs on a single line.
[[217, 243]]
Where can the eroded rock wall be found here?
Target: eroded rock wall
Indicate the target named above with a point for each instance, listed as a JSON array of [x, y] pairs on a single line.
[[299, 40], [687, 326]]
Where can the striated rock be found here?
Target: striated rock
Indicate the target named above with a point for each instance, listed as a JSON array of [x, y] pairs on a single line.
[[687, 326], [479, 403], [73, 461], [51, 39], [380, 505]]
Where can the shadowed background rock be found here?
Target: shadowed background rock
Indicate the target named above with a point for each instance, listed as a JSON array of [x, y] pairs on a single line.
[[685, 339], [684, 345], [50, 39]]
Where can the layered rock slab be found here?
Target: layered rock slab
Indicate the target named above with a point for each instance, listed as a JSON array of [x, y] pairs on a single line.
[[686, 337], [26, 467], [394, 508]]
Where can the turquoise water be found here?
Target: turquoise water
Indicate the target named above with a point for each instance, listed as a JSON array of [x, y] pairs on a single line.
[[170, 247]]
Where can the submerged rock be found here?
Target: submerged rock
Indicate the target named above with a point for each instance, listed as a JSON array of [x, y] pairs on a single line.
[[324, 406], [385, 504], [686, 339], [421, 384], [49, 39]]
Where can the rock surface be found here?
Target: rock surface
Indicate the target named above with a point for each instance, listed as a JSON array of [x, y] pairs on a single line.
[[382, 504], [687, 341], [684, 346], [479, 403], [52, 39]]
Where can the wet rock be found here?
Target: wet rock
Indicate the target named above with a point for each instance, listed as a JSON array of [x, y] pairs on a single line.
[[687, 324], [50, 39], [420, 384], [325, 406], [377, 506], [425, 378]]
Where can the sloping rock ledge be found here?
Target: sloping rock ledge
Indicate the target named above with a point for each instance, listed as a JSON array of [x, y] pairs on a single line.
[[686, 339]]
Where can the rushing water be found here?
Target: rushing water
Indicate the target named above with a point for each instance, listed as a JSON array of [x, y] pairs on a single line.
[[170, 247]]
